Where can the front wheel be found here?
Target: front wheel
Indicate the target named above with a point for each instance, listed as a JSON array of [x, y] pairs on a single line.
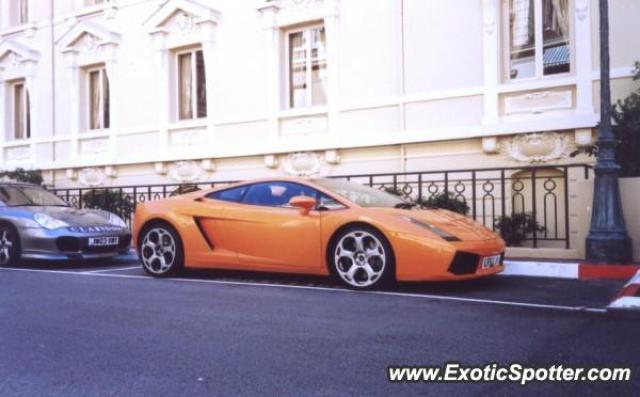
[[9, 245], [161, 251], [362, 258]]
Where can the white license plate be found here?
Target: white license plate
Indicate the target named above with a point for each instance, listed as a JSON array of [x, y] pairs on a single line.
[[103, 241], [490, 261]]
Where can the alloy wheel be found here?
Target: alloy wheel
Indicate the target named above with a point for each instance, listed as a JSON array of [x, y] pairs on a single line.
[[360, 258], [158, 251]]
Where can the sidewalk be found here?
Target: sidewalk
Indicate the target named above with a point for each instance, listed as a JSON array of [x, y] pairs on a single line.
[[627, 298]]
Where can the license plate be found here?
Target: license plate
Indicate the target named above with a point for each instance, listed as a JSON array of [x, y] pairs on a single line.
[[490, 261], [103, 241]]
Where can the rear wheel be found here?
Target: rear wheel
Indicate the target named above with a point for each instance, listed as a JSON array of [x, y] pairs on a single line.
[[362, 258], [161, 251], [9, 245]]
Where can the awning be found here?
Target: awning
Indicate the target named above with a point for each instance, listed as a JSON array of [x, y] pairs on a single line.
[[556, 56]]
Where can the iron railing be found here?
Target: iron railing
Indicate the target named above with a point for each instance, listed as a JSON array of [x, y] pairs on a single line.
[[540, 192]]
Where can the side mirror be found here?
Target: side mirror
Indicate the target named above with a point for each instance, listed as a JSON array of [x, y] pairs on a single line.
[[305, 203]]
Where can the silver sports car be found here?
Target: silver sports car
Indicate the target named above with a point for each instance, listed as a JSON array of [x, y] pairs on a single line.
[[36, 224]]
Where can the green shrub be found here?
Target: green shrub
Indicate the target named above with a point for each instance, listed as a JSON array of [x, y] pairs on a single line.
[[22, 175], [515, 229], [114, 201], [447, 201]]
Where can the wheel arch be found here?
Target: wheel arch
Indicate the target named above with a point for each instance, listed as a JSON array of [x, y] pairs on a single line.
[[155, 221]]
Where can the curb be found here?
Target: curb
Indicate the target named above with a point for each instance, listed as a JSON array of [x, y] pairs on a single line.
[[571, 270], [629, 297]]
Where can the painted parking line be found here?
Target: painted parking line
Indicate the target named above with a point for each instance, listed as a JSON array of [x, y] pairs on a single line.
[[114, 269], [328, 289]]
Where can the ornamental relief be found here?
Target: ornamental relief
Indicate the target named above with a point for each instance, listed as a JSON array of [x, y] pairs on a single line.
[[184, 171], [12, 63], [537, 147], [302, 164], [181, 22], [91, 176]]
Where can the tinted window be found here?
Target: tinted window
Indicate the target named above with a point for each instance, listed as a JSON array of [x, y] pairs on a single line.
[[277, 194], [233, 194]]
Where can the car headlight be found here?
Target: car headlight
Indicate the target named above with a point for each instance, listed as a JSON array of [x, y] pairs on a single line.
[[116, 220], [434, 229], [48, 222]]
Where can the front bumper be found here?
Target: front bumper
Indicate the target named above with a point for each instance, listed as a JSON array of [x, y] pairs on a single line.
[[419, 259], [63, 243]]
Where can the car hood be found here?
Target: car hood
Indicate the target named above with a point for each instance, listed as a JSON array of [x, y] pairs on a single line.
[[74, 216], [453, 223]]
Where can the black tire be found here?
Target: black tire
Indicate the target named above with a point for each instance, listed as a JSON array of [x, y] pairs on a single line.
[[385, 274], [158, 233], [10, 240]]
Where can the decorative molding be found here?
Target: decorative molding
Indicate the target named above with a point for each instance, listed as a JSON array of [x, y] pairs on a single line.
[[303, 125], [91, 176], [87, 36], [18, 153], [208, 165], [15, 59], [583, 137], [537, 147], [331, 156], [302, 164], [94, 146], [271, 161], [490, 144], [71, 174], [184, 15], [538, 102], [160, 168], [184, 171], [111, 171]]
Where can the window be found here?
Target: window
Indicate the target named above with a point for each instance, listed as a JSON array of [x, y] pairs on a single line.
[[99, 102], [192, 93], [307, 67], [234, 194], [278, 194], [21, 112], [538, 38]]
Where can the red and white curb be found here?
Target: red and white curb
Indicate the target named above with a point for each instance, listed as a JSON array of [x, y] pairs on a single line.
[[570, 270], [629, 297]]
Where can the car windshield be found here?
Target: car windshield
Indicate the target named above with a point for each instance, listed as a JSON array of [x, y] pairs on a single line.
[[362, 195], [22, 196]]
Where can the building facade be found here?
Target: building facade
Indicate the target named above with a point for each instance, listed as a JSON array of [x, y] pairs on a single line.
[[124, 92], [100, 92]]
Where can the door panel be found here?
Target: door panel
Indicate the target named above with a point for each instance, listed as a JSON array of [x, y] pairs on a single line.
[[274, 238]]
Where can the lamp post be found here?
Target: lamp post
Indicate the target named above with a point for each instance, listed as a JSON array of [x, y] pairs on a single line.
[[608, 241]]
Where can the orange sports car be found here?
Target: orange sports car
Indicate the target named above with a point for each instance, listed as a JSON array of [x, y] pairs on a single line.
[[361, 235]]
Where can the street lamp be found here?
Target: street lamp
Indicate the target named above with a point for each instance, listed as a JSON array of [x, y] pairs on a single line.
[[608, 241]]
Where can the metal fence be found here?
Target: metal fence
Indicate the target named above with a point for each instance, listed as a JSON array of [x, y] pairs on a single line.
[[492, 196]]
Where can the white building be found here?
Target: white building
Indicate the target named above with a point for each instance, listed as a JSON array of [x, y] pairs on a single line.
[[130, 91]]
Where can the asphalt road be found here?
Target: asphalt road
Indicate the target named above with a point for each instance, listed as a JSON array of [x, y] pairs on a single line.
[[108, 330]]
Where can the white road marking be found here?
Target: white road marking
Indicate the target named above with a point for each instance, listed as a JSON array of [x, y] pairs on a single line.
[[111, 269], [268, 285]]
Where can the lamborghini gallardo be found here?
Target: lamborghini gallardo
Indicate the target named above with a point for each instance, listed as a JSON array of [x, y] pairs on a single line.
[[362, 236]]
